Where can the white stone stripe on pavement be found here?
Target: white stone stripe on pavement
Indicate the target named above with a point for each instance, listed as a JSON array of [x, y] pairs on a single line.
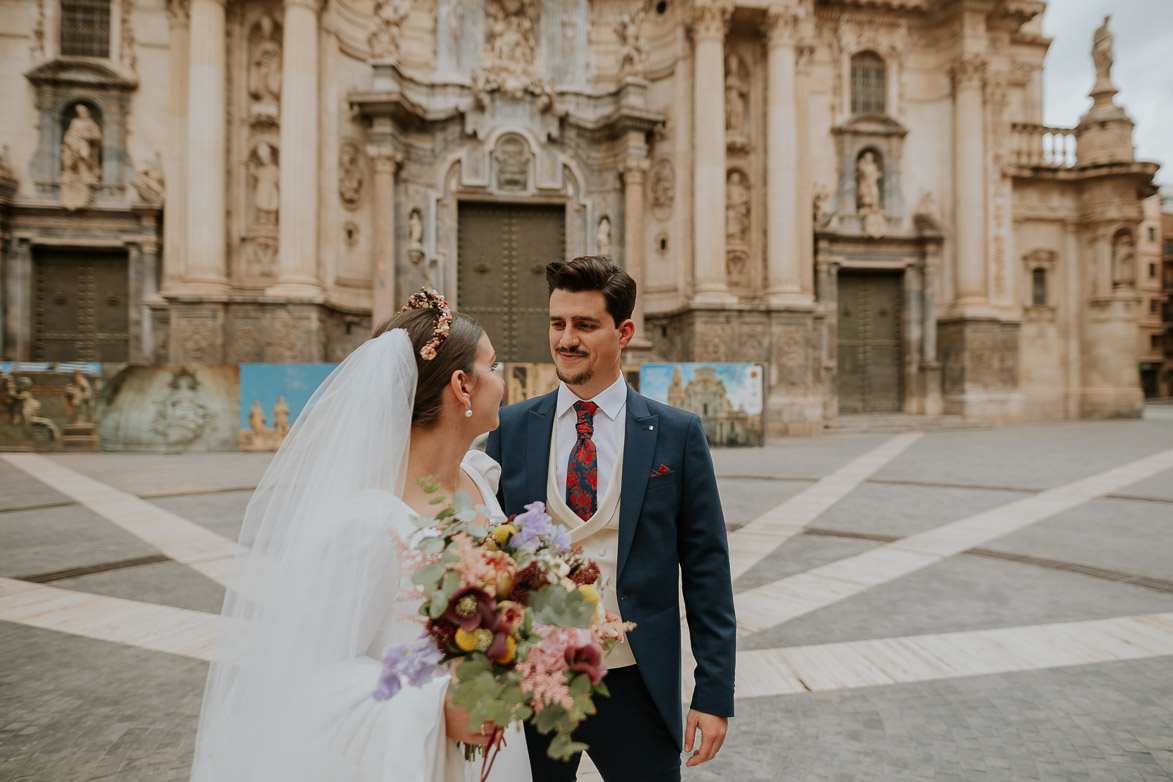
[[788, 598], [750, 544], [159, 628], [184, 541], [885, 661]]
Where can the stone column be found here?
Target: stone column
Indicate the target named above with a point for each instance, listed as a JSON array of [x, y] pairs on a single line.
[[710, 21], [634, 172], [969, 181], [175, 209], [206, 145], [297, 274], [386, 160], [783, 237]]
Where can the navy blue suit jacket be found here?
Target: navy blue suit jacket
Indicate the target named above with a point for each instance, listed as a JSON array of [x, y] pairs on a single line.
[[668, 524]]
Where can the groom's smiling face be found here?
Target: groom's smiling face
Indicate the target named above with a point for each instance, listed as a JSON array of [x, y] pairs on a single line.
[[584, 341]]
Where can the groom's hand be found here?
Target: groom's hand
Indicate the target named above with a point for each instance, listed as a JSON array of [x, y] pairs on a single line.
[[713, 731]]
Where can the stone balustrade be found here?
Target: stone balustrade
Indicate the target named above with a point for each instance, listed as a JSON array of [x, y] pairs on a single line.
[[1039, 146]]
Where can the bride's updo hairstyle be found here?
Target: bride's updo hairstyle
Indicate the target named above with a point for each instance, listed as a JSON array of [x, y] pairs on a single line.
[[423, 322]]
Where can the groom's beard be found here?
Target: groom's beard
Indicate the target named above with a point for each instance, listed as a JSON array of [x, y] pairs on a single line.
[[574, 380]]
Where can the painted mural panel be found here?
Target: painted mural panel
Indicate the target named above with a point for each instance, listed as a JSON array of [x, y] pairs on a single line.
[[172, 408], [727, 397], [51, 406], [271, 398]]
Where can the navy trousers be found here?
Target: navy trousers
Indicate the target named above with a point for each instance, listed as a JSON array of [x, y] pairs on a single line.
[[628, 739]]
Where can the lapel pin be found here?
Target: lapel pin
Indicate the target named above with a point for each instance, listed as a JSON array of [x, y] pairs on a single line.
[[650, 428]]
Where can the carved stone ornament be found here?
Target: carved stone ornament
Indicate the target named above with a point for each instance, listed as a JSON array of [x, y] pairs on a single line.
[[37, 47], [711, 19], [415, 236], [737, 209], [867, 195], [350, 175], [820, 210], [927, 217], [603, 237], [1123, 260], [182, 416], [179, 12], [6, 170], [387, 28], [512, 157], [781, 26], [662, 187], [736, 93], [127, 55], [1103, 56], [80, 164], [264, 71], [350, 234], [149, 182], [737, 267], [633, 47], [508, 63], [968, 72], [266, 173]]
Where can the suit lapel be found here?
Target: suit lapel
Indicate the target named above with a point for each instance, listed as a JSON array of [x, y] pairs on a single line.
[[639, 447], [540, 427]]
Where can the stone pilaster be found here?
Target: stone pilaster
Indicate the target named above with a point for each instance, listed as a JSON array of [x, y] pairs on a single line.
[[710, 22], [204, 268], [175, 226], [385, 160], [784, 257], [634, 172], [298, 217], [969, 192]]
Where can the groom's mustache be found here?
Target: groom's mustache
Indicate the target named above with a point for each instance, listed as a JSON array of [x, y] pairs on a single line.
[[570, 352]]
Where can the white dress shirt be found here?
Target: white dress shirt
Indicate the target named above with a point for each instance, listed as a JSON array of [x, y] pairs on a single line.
[[610, 423]]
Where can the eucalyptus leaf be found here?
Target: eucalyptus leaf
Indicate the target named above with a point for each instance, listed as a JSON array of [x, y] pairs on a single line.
[[462, 502], [427, 574], [430, 545]]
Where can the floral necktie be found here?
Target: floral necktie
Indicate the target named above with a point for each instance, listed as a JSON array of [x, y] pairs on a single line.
[[582, 474]]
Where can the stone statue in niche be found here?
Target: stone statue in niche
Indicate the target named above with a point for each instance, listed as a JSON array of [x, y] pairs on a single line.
[[350, 175], [1123, 261], [820, 209], [264, 70], [415, 236], [736, 209], [633, 53], [867, 195], [736, 91], [1102, 55], [512, 158], [662, 186], [80, 164], [387, 28], [603, 237], [266, 184], [149, 181]]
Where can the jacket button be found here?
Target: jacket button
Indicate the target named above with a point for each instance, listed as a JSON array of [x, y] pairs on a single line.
[[623, 597]]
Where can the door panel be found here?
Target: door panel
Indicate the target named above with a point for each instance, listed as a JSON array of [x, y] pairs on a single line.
[[870, 363], [503, 250], [81, 307]]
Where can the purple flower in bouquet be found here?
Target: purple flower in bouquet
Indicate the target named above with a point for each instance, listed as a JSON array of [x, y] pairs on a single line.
[[417, 662], [535, 524]]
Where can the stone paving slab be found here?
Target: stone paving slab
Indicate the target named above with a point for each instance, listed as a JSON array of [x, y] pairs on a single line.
[[963, 593], [900, 510], [148, 474], [48, 540], [164, 583], [809, 458], [744, 499], [1046, 455], [221, 512], [798, 555], [20, 490], [1157, 487], [1124, 535], [1112, 721]]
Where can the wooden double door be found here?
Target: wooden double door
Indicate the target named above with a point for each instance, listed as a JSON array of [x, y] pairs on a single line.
[[502, 255], [871, 346], [81, 306]]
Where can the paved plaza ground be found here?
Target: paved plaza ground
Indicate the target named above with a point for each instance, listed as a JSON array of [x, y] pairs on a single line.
[[990, 604]]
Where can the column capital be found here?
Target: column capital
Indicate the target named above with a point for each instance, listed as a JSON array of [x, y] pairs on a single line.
[[781, 26], [804, 58], [385, 157], [968, 71], [710, 18], [634, 169], [179, 12]]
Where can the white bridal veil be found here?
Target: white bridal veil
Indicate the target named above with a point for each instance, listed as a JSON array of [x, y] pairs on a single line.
[[316, 571]]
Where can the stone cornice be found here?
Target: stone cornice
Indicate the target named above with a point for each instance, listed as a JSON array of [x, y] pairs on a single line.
[[86, 72]]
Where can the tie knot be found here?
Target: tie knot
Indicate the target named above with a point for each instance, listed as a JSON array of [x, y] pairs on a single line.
[[586, 420]]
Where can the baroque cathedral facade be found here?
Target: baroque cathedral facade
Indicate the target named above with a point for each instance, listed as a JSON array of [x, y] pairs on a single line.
[[858, 194]]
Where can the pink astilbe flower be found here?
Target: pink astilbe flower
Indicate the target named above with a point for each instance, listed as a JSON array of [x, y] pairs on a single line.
[[544, 668]]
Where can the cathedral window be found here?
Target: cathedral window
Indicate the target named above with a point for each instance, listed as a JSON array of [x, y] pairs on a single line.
[[1038, 288], [868, 84], [85, 28]]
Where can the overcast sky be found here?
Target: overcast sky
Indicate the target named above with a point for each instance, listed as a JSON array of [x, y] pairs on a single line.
[[1143, 72]]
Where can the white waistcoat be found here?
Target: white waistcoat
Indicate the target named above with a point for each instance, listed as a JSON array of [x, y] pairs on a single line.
[[598, 536]]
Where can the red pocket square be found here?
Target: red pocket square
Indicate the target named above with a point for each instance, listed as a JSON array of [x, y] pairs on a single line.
[[662, 471]]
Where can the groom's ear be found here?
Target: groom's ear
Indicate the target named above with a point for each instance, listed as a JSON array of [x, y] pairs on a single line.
[[626, 332]]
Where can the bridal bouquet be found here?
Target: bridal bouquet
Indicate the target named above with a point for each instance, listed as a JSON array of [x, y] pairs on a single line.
[[514, 613]]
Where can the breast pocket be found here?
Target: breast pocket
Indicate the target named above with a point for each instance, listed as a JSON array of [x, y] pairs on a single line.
[[657, 482]]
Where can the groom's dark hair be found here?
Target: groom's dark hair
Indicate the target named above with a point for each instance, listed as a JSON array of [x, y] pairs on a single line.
[[595, 273]]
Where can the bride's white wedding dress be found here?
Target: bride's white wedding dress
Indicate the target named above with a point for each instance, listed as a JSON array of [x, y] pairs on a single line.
[[319, 590]]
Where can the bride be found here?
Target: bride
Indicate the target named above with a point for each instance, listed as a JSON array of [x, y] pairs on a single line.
[[321, 585]]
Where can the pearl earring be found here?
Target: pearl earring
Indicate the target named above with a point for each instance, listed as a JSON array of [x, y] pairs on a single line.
[[468, 413]]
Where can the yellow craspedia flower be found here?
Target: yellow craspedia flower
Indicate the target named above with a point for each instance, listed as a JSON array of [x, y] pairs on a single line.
[[503, 532], [477, 641], [511, 649], [589, 593]]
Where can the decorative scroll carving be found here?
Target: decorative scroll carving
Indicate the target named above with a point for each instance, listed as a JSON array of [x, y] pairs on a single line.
[[633, 57], [387, 28], [127, 55]]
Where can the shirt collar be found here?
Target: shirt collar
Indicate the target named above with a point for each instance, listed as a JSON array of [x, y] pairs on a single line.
[[610, 400]]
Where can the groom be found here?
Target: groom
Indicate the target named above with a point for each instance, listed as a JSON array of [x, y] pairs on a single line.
[[633, 481]]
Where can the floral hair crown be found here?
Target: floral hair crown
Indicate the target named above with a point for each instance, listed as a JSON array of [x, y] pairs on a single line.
[[432, 300]]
